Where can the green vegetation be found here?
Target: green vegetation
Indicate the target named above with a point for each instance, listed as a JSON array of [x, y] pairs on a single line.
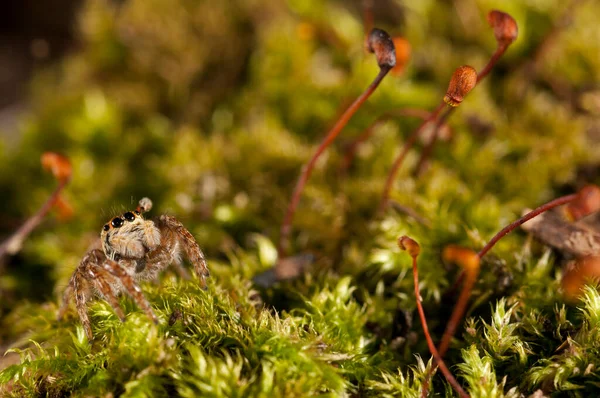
[[210, 109]]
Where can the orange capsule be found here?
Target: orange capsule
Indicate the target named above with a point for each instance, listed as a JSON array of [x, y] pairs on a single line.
[[466, 258], [58, 165], [578, 274], [403, 51], [463, 80], [410, 245], [587, 202], [505, 27]]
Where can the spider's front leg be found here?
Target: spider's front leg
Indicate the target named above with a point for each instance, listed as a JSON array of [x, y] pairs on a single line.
[[131, 287], [88, 275], [190, 246]]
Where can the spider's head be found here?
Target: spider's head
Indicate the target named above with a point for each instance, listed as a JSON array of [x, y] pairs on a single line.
[[129, 236]]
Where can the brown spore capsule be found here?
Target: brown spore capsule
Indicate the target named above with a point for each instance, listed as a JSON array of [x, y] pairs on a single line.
[[578, 274], [381, 44], [463, 80], [410, 245], [505, 27], [587, 202], [58, 165], [462, 256]]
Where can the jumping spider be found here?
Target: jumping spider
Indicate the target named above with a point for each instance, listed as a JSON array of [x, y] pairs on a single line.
[[133, 249]]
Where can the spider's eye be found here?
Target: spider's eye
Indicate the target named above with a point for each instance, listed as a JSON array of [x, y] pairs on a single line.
[[136, 212], [116, 222], [129, 216], [106, 227]]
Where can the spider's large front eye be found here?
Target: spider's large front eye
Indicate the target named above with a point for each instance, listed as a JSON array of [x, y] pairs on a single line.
[[106, 227], [116, 222], [129, 216]]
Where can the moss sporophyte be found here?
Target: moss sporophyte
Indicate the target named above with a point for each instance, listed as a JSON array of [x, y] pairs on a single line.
[[381, 44]]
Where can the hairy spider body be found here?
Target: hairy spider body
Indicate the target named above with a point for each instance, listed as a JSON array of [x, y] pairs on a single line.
[[133, 249]]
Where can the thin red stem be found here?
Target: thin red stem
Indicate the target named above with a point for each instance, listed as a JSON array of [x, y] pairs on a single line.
[[411, 213], [434, 352], [13, 243], [465, 293], [431, 144], [307, 170], [500, 50], [469, 281], [512, 226], [471, 277], [458, 311], [353, 146], [400, 158], [365, 135]]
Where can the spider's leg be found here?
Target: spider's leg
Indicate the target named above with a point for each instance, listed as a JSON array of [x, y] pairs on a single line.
[[180, 270], [130, 286], [80, 287], [178, 266], [101, 281], [190, 246], [82, 295], [66, 298]]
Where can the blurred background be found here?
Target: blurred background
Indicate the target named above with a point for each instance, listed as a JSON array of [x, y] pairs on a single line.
[[32, 34]]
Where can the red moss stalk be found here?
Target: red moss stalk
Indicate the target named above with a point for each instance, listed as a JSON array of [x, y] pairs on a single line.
[[61, 169], [578, 197], [469, 261], [400, 158], [352, 147], [413, 249], [428, 150], [512, 226], [463, 80], [506, 32], [381, 44]]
